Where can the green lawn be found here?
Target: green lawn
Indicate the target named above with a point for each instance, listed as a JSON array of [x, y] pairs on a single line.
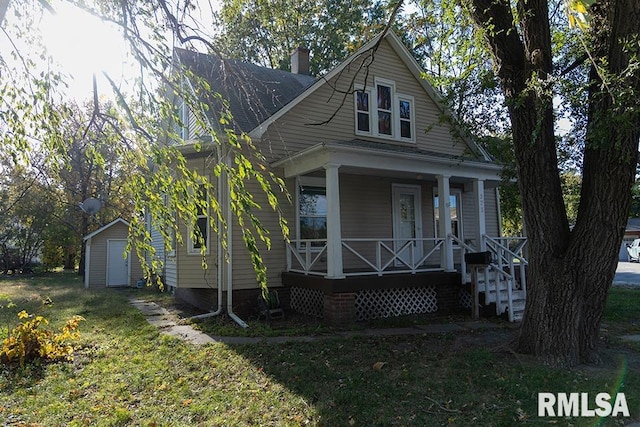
[[126, 373]]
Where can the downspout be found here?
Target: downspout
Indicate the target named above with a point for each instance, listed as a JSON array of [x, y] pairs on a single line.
[[229, 261], [229, 264], [220, 258]]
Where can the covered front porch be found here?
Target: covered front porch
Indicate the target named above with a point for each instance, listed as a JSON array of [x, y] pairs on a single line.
[[391, 223]]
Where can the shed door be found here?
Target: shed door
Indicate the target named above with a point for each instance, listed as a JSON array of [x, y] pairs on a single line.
[[117, 266]]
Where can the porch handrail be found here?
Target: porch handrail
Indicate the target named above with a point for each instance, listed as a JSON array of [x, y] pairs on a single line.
[[381, 257], [466, 248], [386, 245], [500, 249], [507, 256], [312, 254]]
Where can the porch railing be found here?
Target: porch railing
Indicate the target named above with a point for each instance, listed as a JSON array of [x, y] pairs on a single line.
[[368, 256], [507, 271], [308, 255], [509, 253]]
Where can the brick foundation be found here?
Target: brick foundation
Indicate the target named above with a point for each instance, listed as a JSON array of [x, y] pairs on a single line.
[[340, 308], [339, 295]]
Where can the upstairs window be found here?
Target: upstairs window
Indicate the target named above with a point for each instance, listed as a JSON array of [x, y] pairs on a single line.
[[383, 113], [406, 117], [363, 115]]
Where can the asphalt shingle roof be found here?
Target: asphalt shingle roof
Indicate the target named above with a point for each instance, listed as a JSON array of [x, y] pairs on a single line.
[[254, 93]]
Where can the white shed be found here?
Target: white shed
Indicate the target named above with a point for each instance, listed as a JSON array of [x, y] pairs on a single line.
[[106, 263]]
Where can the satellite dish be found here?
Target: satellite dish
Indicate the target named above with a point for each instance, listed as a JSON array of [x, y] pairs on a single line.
[[91, 206]]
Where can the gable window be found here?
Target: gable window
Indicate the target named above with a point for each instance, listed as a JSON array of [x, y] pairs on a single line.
[[363, 115], [199, 238], [406, 117], [385, 113], [381, 112], [312, 210]]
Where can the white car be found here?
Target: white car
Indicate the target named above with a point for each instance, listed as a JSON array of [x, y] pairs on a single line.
[[633, 251]]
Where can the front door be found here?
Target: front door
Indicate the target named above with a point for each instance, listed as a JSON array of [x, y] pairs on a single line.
[[117, 265], [407, 224]]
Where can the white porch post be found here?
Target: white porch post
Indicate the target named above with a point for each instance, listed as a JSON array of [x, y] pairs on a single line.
[[334, 231], [481, 224], [444, 213]]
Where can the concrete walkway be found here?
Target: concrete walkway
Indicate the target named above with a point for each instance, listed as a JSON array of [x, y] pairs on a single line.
[[168, 324]]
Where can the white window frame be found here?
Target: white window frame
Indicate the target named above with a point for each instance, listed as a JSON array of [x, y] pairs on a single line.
[[393, 111], [191, 249], [457, 192], [369, 92], [412, 119], [373, 112], [310, 181]]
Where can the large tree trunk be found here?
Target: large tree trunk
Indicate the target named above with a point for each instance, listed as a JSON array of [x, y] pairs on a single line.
[[570, 270]]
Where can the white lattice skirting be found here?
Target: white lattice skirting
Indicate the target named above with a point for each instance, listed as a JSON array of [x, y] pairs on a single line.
[[308, 301], [465, 299], [380, 303]]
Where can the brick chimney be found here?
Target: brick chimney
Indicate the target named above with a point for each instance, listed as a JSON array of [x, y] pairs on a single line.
[[300, 60]]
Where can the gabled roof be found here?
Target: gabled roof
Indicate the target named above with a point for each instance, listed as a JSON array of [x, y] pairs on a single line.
[[408, 60], [254, 93], [258, 96], [106, 227]]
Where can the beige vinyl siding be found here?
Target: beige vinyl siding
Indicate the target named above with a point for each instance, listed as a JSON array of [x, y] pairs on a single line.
[[491, 212], [98, 263], [299, 129], [469, 229], [185, 270], [365, 210], [244, 276], [365, 206]]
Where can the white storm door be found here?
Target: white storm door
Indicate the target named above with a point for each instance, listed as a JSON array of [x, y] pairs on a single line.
[[117, 266], [407, 224]]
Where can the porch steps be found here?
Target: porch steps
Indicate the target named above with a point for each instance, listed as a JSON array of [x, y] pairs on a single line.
[[500, 297]]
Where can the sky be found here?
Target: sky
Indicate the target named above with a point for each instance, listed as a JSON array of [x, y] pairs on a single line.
[[83, 45]]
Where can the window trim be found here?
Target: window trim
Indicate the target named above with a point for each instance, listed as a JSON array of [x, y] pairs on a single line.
[[373, 112], [457, 192], [369, 113], [310, 181], [191, 250], [412, 117]]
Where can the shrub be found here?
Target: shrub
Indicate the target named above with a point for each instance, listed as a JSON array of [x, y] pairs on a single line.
[[27, 342]]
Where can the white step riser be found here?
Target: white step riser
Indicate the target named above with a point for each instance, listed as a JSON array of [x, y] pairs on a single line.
[[489, 288]]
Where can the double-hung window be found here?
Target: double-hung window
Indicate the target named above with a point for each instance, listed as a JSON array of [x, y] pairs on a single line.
[[363, 112], [454, 211], [312, 210], [199, 238], [382, 112]]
